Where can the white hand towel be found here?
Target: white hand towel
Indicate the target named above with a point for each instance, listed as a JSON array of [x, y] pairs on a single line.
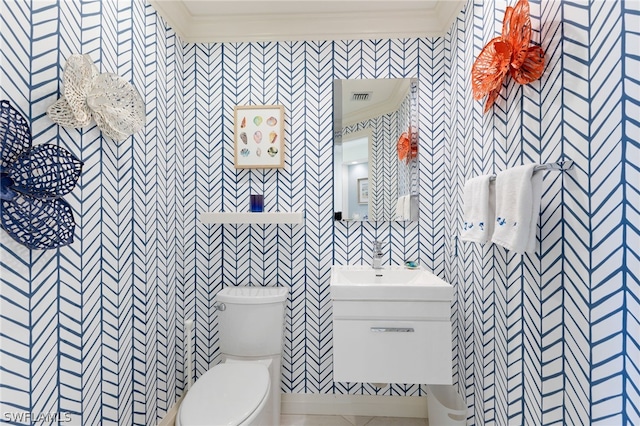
[[479, 208], [400, 209], [407, 207], [415, 206], [518, 193]]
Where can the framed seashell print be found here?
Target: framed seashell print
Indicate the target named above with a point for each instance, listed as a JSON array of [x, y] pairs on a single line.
[[259, 136]]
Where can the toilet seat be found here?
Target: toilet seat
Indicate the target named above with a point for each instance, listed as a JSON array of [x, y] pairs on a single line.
[[227, 394]]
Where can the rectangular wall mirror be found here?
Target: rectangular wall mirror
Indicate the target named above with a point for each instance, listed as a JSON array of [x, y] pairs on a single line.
[[375, 150]]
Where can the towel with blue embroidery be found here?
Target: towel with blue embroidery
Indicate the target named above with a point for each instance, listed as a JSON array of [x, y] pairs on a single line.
[[518, 193], [478, 210]]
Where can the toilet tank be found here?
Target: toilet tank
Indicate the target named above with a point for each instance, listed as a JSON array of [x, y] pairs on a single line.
[[251, 320]]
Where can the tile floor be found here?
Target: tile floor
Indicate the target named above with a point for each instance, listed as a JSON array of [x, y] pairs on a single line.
[[317, 420]]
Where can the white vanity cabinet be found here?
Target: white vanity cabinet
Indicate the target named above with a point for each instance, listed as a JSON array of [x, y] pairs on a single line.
[[380, 338]]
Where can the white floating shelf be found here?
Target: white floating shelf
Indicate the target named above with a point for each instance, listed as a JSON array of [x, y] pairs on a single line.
[[291, 218]]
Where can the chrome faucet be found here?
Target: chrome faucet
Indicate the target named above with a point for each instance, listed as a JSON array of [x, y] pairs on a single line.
[[376, 258]]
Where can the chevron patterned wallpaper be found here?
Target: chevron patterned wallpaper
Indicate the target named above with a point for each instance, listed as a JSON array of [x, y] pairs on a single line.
[[90, 329], [95, 329], [551, 338]]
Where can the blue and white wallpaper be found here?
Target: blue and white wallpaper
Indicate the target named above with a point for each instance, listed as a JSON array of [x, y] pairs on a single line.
[[89, 330], [95, 329], [551, 338]]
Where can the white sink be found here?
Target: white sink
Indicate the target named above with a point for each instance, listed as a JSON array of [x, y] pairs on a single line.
[[359, 282], [390, 325]]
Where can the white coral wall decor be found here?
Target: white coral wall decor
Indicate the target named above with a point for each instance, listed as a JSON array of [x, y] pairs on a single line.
[[114, 104]]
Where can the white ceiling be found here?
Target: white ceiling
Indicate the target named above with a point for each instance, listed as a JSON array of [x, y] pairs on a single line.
[[290, 20], [386, 95]]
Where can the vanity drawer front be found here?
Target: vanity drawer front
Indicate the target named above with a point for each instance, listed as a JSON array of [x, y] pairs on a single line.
[[401, 310], [374, 351]]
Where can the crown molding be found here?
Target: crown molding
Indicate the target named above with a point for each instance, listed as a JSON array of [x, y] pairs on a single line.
[[408, 22]]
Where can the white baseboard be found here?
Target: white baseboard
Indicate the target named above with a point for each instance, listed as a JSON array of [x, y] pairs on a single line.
[[354, 405], [169, 419], [338, 405]]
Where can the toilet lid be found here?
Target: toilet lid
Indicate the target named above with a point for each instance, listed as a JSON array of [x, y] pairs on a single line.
[[225, 395]]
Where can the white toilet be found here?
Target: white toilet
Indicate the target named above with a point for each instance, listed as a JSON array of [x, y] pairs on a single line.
[[245, 388]]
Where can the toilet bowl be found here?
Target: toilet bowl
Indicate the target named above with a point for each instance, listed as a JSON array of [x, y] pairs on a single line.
[[228, 394], [243, 390]]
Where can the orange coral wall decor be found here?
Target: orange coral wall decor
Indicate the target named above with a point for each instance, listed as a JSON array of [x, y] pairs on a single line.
[[408, 145], [509, 53], [404, 146]]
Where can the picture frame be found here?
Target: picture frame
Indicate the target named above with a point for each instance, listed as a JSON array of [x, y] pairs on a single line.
[[363, 190], [258, 136]]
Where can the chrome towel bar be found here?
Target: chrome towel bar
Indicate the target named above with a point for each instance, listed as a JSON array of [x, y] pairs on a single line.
[[559, 166]]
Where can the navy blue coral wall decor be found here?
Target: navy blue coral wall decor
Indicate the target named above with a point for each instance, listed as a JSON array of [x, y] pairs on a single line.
[[33, 180]]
